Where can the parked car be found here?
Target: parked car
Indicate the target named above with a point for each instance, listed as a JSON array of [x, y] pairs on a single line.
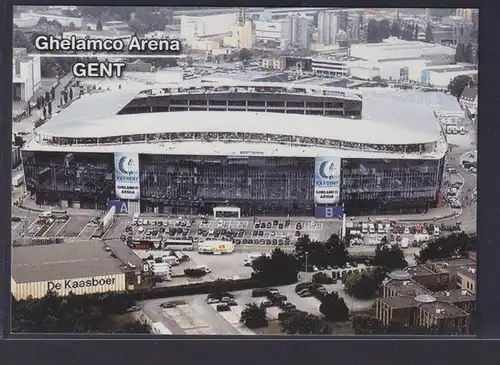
[[223, 307]]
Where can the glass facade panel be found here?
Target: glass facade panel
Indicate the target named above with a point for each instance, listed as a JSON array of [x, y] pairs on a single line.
[[258, 185]]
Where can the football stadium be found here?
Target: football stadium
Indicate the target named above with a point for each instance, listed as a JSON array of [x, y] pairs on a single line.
[[256, 149]]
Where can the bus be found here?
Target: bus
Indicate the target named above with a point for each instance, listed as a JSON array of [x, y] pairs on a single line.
[[159, 328], [145, 243], [227, 212], [178, 245]]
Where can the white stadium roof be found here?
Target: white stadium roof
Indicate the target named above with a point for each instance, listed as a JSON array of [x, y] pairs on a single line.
[[342, 129], [227, 149]]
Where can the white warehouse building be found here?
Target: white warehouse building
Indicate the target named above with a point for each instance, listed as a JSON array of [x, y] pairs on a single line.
[[194, 27], [29, 20], [84, 268], [26, 75], [269, 30]]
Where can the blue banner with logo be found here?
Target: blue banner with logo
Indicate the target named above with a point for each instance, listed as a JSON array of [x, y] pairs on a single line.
[[127, 182], [121, 207], [329, 212], [327, 180]]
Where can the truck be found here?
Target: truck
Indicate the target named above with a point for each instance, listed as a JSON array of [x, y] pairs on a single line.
[[163, 271], [18, 179], [216, 247]]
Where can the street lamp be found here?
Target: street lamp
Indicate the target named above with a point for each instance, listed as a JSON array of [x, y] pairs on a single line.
[[307, 273]]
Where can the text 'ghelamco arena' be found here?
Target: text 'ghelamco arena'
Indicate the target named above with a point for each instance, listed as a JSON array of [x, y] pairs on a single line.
[[261, 149]]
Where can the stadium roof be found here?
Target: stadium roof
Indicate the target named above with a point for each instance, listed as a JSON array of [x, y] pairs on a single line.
[[228, 149], [62, 261], [342, 129]]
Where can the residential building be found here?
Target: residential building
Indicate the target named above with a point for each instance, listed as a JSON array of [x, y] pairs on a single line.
[[468, 100], [406, 301], [328, 27], [26, 75], [466, 279], [273, 63], [296, 32]]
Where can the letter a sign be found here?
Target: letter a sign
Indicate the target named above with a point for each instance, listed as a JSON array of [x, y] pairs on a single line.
[[124, 208]]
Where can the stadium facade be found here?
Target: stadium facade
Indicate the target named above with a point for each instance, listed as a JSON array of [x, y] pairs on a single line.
[[191, 160]]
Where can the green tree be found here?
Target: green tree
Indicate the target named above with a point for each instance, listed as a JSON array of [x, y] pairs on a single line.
[[254, 316], [469, 53], [49, 108], [396, 29], [218, 288], [245, 54], [415, 33], [280, 268], [363, 285], [459, 53], [384, 29], [429, 36], [333, 307], [457, 244], [70, 93], [365, 325], [372, 31], [389, 257], [302, 323], [336, 251]]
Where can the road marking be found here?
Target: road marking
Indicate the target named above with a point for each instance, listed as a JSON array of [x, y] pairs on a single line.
[[32, 224], [83, 229], [65, 224], [48, 229], [14, 227]]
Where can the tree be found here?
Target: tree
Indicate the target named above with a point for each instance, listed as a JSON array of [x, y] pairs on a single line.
[[70, 93], [384, 29], [44, 113], [53, 93], [469, 53], [459, 53], [65, 95], [218, 288], [302, 323], [415, 33], [254, 316], [38, 103], [99, 26], [372, 31], [363, 285], [20, 40], [364, 325], [137, 27], [429, 36], [396, 29], [458, 84], [333, 307], [244, 54], [446, 247], [336, 251], [49, 108], [47, 96], [74, 314], [389, 257], [280, 268]]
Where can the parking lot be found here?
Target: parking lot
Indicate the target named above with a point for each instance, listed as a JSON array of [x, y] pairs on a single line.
[[192, 315], [72, 227]]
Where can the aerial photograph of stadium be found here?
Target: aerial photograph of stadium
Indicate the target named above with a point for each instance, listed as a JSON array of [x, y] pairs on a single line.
[[285, 171]]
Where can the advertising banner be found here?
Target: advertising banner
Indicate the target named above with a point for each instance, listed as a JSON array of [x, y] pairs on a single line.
[[329, 212], [127, 182], [121, 207], [327, 180]]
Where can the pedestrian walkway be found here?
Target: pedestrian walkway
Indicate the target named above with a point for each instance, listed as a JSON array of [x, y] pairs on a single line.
[[30, 204]]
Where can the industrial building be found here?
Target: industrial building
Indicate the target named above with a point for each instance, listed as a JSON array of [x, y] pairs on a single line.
[[328, 27], [296, 33], [26, 75], [262, 161], [86, 267], [329, 67]]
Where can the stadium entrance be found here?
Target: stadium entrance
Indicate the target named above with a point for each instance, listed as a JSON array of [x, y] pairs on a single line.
[[227, 212]]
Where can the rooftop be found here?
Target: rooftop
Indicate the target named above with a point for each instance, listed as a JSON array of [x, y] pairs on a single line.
[[406, 288], [399, 302], [419, 270], [454, 296], [223, 149], [442, 310], [469, 272], [374, 131], [62, 261]]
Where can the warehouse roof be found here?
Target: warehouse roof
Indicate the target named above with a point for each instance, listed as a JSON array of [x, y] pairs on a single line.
[[62, 261]]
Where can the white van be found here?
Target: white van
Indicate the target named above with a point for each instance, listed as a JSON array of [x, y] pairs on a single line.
[[204, 268], [380, 228], [46, 214]]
